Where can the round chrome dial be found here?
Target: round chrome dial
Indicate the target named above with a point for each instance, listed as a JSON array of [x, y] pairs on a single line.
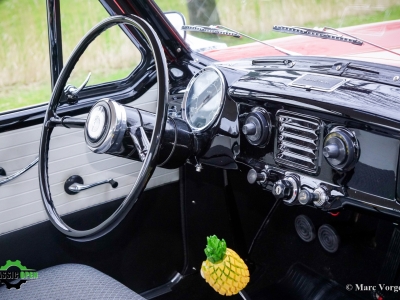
[[203, 99]]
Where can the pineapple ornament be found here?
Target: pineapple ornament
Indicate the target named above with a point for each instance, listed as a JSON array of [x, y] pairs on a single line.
[[223, 269]]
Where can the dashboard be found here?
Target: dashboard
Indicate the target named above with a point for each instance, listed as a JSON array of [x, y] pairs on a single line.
[[312, 131]]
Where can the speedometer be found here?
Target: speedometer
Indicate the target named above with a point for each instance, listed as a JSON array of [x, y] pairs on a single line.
[[203, 99]]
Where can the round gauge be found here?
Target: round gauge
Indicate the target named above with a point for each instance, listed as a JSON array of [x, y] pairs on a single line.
[[96, 122], [204, 98]]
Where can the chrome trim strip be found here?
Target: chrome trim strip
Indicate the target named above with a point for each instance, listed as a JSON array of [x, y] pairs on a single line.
[[18, 173]]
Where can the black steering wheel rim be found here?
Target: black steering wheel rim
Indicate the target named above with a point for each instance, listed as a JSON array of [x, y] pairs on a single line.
[[150, 162]]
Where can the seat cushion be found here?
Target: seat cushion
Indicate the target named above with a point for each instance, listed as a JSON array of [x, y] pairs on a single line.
[[70, 281]]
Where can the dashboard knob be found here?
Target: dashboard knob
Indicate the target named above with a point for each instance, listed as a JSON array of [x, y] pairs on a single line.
[[253, 176], [307, 197], [282, 189], [341, 149], [257, 127], [321, 197], [249, 128], [331, 151]]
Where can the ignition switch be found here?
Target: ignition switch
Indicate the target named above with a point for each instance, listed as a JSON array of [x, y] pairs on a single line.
[[286, 189]]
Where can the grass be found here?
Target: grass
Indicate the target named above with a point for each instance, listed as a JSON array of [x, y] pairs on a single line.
[[24, 62]]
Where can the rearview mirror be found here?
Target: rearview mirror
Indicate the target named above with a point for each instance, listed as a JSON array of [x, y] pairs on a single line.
[[177, 20]]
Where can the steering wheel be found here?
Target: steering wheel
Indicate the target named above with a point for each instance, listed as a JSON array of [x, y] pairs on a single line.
[[52, 120]]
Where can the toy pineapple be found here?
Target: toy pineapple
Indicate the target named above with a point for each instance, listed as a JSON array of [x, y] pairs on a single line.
[[223, 269]]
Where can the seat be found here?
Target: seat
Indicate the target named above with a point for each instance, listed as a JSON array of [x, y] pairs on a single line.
[[70, 281]]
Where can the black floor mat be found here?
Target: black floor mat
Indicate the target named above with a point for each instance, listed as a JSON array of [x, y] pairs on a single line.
[[194, 287], [301, 283]]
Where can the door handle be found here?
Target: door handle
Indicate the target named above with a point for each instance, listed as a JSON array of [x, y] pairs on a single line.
[[74, 184], [5, 179]]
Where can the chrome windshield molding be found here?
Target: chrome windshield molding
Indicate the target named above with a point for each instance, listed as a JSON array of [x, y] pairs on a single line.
[[8, 178]]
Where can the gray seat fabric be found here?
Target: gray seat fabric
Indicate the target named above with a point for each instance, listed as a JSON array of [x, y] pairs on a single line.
[[70, 281]]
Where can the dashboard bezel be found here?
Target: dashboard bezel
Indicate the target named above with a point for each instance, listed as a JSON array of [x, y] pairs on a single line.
[[222, 100]]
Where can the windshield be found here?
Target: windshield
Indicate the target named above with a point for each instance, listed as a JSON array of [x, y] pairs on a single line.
[[377, 22]]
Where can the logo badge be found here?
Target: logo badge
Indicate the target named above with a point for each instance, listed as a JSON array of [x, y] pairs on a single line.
[[13, 274]]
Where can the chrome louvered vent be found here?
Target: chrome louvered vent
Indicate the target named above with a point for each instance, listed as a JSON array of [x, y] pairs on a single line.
[[298, 138]]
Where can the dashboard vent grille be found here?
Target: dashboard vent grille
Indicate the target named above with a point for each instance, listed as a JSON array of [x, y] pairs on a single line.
[[297, 142]]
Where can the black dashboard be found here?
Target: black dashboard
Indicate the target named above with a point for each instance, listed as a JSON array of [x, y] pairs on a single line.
[[317, 132]]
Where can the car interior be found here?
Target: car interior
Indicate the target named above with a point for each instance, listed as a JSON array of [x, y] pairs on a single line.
[[112, 190]]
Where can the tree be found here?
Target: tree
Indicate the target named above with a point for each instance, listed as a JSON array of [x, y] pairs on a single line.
[[203, 12]]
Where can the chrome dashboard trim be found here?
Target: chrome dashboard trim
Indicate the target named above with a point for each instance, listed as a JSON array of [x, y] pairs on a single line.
[[295, 150]]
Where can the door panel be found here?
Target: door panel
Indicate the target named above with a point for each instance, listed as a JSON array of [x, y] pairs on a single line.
[[20, 200]]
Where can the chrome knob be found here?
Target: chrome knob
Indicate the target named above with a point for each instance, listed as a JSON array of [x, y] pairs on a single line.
[[249, 129], [253, 176], [322, 197], [341, 148], [307, 197], [331, 151]]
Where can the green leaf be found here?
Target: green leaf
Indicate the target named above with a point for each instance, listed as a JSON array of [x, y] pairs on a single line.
[[215, 249]]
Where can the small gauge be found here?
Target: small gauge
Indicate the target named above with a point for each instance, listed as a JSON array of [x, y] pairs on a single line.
[[204, 98]]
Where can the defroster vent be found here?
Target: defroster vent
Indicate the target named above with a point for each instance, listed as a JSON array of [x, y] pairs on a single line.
[[298, 141]]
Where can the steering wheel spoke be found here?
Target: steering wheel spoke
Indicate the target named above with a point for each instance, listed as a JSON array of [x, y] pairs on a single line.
[[67, 122]]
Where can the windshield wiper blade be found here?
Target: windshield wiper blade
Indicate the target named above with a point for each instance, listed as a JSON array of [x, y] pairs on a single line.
[[222, 30], [322, 33], [210, 29], [316, 33]]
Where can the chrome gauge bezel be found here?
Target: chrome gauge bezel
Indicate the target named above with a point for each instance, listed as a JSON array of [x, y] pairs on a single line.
[[221, 103], [114, 130]]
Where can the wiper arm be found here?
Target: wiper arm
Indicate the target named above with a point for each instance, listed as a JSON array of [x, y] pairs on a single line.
[[372, 44], [324, 34], [222, 30]]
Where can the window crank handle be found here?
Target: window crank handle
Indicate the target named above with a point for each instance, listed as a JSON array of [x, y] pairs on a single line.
[[74, 184]]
